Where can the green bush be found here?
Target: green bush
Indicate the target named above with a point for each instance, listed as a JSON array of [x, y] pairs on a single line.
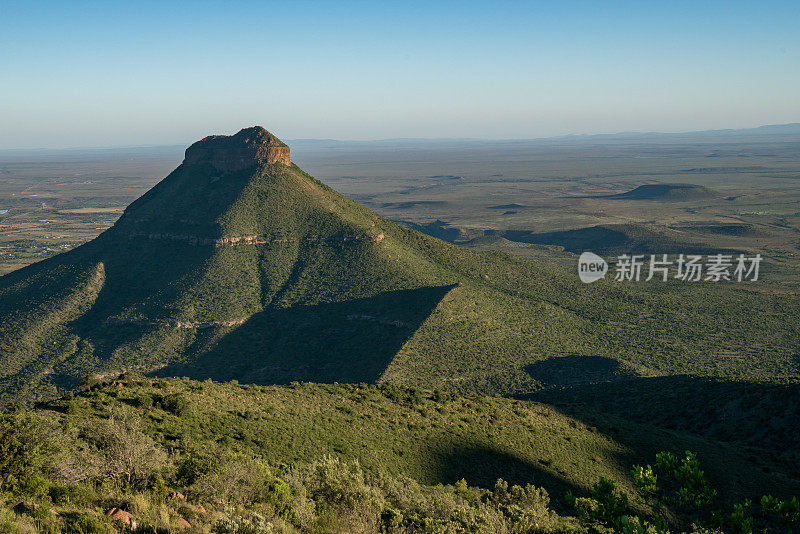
[[157, 487], [88, 524], [77, 495], [253, 523], [174, 403], [144, 401], [280, 497], [25, 443]]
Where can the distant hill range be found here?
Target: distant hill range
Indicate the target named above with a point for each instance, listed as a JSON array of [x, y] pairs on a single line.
[[239, 265], [766, 132], [769, 130]]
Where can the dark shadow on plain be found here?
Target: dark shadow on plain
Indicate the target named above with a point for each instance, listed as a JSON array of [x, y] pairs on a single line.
[[439, 229], [349, 341], [613, 240]]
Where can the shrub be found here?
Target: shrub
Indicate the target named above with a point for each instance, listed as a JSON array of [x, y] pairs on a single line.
[[131, 457], [695, 491], [611, 505], [219, 475], [740, 521], [254, 523], [76, 495], [341, 491], [174, 403], [91, 381], [280, 497], [157, 487], [25, 443], [88, 524], [144, 401]]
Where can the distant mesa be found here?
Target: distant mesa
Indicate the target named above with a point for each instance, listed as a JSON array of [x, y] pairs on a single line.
[[230, 153], [512, 206], [666, 192], [414, 203]]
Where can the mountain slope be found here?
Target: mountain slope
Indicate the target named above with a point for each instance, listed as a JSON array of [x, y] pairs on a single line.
[[240, 265]]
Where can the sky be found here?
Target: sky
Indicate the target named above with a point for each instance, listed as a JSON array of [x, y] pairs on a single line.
[[87, 74]]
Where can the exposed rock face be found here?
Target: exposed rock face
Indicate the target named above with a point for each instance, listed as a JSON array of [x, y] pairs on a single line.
[[122, 517], [250, 239], [246, 149]]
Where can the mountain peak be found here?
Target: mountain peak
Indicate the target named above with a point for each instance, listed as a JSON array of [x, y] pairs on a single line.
[[230, 153]]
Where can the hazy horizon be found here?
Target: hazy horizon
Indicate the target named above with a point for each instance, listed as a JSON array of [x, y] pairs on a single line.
[[163, 73], [569, 136]]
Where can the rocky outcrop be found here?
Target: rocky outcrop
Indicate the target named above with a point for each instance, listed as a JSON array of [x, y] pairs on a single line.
[[123, 518], [249, 239], [180, 325], [246, 149]]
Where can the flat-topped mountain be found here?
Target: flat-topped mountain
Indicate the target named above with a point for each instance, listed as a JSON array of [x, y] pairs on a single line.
[[248, 148], [239, 265]]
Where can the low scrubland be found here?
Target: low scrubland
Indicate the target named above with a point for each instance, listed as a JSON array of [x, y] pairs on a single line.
[[133, 453]]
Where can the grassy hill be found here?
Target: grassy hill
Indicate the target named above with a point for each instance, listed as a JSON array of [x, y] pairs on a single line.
[[266, 275]]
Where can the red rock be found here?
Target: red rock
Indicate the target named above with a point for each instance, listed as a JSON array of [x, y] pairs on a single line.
[[182, 523], [123, 517], [231, 153]]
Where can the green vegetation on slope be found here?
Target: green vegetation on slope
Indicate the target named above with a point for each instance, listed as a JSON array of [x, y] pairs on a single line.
[[267, 276], [334, 458]]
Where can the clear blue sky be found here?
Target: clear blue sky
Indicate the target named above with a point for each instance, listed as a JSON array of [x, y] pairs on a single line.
[[130, 73]]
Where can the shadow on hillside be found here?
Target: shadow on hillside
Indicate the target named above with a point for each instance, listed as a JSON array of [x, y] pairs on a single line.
[[754, 414], [139, 275], [350, 341], [576, 369], [132, 273], [483, 465], [759, 420]]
